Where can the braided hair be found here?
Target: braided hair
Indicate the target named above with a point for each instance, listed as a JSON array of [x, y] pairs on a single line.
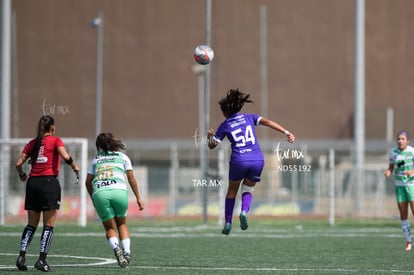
[[45, 122], [106, 142], [233, 102]]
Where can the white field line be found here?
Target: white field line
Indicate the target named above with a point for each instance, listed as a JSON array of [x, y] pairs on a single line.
[[261, 269], [94, 261], [294, 232], [214, 232], [200, 231]]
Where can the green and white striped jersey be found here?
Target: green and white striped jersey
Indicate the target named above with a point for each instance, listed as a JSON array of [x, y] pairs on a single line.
[[109, 170], [403, 161]]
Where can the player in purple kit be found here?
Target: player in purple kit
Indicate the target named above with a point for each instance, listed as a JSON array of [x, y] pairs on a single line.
[[247, 161]]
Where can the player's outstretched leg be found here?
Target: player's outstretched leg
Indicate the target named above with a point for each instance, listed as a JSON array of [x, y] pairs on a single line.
[[405, 225], [27, 237], [45, 242], [126, 249], [243, 220], [246, 202], [114, 244], [228, 213]]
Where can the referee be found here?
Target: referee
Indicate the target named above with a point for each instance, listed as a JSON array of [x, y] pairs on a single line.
[[43, 193]]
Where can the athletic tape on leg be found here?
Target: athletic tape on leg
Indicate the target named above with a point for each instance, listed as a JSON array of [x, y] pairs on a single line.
[[246, 188]]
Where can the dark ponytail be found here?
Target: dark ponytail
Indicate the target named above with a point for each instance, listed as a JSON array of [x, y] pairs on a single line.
[[233, 102], [45, 122], [107, 143]]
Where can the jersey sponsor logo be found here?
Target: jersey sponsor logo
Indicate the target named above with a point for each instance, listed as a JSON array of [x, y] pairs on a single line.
[[41, 159], [107, 155], [106, 160], [239, 120], [237, 124], [105, 183]]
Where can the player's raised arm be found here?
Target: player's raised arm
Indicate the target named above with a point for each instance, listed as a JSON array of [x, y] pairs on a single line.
[[276, 126]]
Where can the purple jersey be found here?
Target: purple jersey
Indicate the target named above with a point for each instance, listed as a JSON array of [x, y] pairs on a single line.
[[240, 130]]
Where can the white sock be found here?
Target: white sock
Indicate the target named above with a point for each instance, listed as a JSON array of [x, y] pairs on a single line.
[[405, 225], [126, 245], [113, 242]]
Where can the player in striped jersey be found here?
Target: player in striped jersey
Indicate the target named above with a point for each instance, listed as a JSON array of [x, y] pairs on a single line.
[[107, 188], [401, 159], [247, 161]]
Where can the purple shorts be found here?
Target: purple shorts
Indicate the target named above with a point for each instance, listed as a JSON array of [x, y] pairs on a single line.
[[246, 169]]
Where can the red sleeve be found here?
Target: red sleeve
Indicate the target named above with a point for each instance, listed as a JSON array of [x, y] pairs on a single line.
[[29, 147], [59, 142]]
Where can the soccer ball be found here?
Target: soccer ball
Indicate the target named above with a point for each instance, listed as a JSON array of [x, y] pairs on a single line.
[[203, 54]]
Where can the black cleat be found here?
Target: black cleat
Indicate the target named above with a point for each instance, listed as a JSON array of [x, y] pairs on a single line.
[[42, 266], [127, 257], [20, 263], [243, 221], [122, 262], [227, 228]]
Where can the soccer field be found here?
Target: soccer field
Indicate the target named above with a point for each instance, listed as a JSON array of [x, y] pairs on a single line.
[[267, 247]]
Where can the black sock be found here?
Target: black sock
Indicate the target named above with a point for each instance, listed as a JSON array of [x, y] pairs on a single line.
[[45, 241], [27, 237]]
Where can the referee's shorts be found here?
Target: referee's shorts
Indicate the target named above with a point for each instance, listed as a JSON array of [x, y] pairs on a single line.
[[42, 193]]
